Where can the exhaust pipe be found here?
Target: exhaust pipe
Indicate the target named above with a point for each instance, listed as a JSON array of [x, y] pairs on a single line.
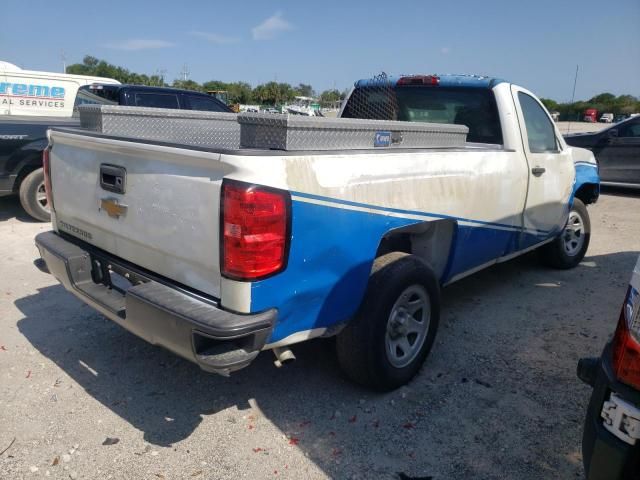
[[283, 356]]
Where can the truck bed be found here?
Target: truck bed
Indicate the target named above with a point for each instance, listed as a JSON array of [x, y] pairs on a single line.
[[172, 195]]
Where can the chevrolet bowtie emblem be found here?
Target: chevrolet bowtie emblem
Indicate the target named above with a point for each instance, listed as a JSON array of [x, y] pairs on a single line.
[[112, 207]]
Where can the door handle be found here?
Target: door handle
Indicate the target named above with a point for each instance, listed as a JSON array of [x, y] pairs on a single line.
[[113, 178], [537, 171]]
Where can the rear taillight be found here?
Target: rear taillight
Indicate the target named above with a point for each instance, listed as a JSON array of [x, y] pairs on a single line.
[[46, 167], [626, 341], [254, 230], [419, 80]]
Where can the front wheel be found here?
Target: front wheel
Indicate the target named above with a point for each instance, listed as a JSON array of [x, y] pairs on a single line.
[[569, 248], [387, 341]]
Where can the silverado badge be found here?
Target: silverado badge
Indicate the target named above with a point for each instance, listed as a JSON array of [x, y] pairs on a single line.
[[113, 208]]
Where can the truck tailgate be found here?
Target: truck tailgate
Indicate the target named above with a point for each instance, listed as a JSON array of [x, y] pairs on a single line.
[[167, 218]]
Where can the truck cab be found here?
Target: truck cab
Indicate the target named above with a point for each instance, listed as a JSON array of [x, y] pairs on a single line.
[[497, 113], [606, 118], [590, 115]]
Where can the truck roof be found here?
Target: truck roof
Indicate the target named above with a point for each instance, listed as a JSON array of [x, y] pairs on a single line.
[[147, 88], [446, 80], [12, 70]]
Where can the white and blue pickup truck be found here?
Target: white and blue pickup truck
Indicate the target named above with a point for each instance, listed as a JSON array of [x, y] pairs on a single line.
[[218, 253]]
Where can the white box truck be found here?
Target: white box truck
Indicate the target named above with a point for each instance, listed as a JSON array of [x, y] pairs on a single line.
[[26, 92]]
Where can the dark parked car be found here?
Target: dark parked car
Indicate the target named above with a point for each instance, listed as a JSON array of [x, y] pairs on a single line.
[[142, 96], [22, 139], [611, 440], [617, 150]]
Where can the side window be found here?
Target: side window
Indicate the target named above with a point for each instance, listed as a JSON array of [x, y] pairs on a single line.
[[540, 131], [156, 100], [631, 130], [206, 104]]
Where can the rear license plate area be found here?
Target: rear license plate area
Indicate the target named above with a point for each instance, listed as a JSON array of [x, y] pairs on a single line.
[[114, 276]]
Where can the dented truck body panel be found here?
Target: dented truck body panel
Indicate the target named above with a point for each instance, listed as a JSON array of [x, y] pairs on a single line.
[[480, 203]]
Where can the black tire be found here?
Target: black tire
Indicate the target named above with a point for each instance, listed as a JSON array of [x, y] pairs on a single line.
[[362, 345], [558, 253], [31, 189]]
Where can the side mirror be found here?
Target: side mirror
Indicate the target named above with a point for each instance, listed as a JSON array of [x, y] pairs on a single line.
[[612, 132]]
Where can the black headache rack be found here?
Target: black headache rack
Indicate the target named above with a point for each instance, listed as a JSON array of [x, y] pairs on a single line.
[[154, 309]]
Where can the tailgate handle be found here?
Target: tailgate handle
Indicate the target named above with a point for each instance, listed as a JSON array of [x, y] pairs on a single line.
[[113, 178]]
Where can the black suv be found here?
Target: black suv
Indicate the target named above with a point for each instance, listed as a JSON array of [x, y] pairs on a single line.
[[154, 97], [22, 139]]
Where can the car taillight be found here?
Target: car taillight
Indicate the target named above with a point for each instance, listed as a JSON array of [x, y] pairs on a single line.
[[255, 230], [626, 341], [419, 80], [46, 167]]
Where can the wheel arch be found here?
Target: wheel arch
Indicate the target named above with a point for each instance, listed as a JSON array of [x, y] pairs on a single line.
[[588, 192], [25, 160], [432, 241], [22, 174]]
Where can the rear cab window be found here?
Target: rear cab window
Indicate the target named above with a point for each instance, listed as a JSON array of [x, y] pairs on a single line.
[[474, 107]]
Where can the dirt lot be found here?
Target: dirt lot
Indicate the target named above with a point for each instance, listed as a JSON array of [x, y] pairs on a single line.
[[498, 397], [580, 127]]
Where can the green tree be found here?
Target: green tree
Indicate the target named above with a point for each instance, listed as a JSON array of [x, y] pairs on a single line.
[[187, 85], [240, 92], [626, 104], [304, 90], [273, 93], [551, 105], [603, 99], [215, 85], [100, 68], [329, 98]]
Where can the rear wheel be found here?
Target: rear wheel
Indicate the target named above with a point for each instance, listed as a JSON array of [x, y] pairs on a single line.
[[569, 248], [33, 196], [387, 341]]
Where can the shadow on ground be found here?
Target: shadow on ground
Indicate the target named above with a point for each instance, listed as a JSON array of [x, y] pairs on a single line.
[[10, 208], [499, 383], [621, 191]]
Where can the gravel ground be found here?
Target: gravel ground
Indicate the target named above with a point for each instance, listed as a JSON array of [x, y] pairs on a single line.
[[498, 398]]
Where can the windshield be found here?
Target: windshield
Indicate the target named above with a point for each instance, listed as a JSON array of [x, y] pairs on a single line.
[[476, 108]]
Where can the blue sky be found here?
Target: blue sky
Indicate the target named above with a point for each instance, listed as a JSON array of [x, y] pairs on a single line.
[[332, 43]]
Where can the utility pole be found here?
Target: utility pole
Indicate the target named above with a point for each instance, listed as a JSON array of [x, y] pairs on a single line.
[[185, 72], [63, 57], [573, 95], [161, 72]]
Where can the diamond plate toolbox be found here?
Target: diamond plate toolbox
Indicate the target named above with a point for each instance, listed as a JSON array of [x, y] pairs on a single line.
[[294, 132], [187, 127], [266, 131]]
